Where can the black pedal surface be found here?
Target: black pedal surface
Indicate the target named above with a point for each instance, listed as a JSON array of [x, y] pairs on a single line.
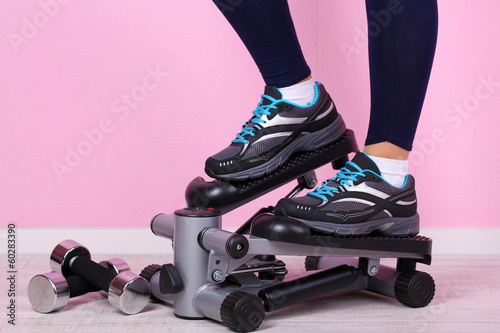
[[412, 244], [284, 229], [228, 195]]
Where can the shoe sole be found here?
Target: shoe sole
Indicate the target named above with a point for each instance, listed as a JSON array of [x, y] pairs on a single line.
[[391, 226], [308, 142]]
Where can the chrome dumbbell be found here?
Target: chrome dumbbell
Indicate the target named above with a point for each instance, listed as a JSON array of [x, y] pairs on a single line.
[[51, 291], [126, 290]]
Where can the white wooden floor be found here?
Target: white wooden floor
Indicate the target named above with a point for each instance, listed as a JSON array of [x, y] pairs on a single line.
[[467, 300]]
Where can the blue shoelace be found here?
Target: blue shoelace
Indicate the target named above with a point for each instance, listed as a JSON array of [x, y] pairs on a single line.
[[258, 113], [342, 179]]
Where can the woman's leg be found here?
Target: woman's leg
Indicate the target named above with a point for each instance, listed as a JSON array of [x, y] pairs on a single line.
[[266, 28], [402, 41], [294, 113], [374, 192]]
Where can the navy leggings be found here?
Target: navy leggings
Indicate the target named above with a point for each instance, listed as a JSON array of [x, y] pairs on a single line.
[[402, 38]]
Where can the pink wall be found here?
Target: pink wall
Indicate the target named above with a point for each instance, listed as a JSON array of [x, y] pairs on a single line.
[[67, 67]]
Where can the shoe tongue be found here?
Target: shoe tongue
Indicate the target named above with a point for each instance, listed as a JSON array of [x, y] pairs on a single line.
[[272, 92], [364, 162]]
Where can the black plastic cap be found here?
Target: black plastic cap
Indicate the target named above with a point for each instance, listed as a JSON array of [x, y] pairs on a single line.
[[237, 246], [414, 289], [242, 312]]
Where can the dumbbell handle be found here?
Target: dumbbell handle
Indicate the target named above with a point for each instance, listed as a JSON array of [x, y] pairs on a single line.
[[79, 286], [93, 273]]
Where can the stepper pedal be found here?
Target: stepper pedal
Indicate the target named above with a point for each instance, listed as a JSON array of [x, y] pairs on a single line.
[[289, 230], [228, 195]]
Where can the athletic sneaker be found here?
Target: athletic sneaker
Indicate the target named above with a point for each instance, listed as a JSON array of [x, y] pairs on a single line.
[[358, 201], [276, 130]]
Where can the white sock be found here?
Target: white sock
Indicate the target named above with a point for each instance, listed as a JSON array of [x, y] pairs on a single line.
[[301, 93], [393, 171]]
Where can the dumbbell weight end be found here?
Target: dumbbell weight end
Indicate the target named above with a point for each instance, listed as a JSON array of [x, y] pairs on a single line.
[[51, 291], [129, 292]]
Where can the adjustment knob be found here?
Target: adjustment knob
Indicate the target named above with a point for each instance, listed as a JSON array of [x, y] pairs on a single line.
[[170, 280]]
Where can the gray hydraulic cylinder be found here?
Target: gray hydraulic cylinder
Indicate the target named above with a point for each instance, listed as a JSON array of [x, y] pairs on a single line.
[[190, 259]]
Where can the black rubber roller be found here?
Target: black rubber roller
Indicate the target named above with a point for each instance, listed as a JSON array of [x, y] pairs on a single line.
[[242, 312], [414, 289], [311, 263], [149, 271]]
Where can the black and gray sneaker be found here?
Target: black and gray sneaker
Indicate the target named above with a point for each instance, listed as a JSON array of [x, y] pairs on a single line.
[[358, 201], [277, 129]]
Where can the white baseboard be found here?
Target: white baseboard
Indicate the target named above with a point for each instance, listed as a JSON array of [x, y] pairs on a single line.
[[141, 241]]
